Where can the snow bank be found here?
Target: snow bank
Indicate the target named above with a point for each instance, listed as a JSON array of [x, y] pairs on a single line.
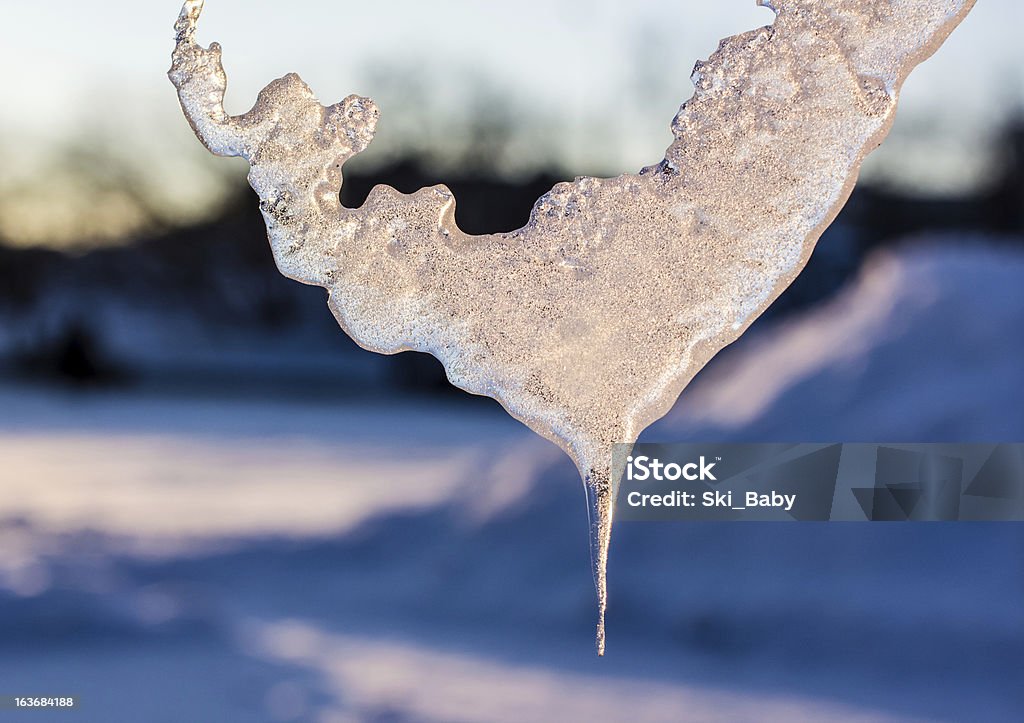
[[925, 345]]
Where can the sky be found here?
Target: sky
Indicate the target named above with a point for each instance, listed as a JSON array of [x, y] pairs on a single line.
[[586, 86]]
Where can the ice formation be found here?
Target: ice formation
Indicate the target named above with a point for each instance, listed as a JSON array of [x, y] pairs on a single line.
[[587, 323]]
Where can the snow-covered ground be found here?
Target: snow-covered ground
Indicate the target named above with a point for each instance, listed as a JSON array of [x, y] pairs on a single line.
[[169, 558]]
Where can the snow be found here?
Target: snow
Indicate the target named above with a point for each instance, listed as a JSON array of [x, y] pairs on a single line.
[[170, 558], [925, 346]]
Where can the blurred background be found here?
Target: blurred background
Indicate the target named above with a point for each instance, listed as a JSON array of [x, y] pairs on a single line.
[[213, 506]]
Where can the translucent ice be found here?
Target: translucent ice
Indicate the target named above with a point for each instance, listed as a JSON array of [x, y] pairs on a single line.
[[587, 323]]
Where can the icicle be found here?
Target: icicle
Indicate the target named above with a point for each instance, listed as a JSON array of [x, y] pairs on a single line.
[[588, 322], [600, 507]]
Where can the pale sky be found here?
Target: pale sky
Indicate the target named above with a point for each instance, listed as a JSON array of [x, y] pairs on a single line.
[[595, 83]]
